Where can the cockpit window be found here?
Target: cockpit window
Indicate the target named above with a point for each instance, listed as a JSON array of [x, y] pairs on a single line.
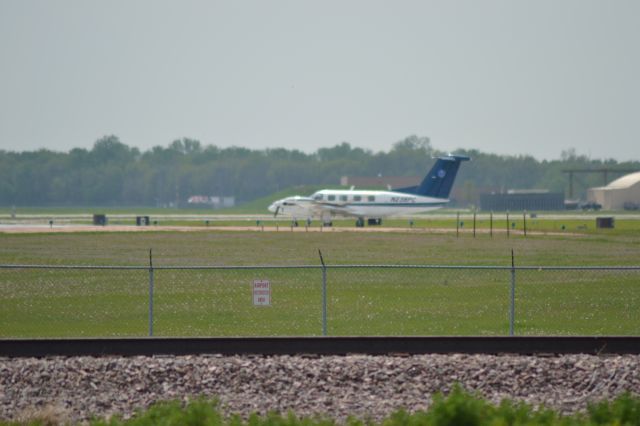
[[317, 197]]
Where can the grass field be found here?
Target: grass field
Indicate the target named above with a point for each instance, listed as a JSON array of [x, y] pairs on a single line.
[[361, 301]]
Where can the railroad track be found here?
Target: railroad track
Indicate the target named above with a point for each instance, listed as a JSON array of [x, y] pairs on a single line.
[[320, 346]]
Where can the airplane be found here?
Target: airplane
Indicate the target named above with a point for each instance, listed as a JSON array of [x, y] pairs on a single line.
[[431, 194]]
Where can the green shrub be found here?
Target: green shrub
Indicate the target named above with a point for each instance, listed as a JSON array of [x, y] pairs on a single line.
[[173, 413], [458, 408], [624, 410]]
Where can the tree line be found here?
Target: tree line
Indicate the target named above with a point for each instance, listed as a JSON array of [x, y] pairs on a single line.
[[114, 174]]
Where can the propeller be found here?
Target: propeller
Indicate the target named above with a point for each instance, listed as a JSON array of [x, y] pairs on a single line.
[[276, 212]]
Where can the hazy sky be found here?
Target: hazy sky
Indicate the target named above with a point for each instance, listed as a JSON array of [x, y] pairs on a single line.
[[510, 77]]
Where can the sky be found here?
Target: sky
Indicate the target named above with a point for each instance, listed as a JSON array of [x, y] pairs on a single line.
[[511, 77]]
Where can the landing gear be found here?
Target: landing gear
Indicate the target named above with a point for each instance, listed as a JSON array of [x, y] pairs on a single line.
[[374, 221], [360, 222]]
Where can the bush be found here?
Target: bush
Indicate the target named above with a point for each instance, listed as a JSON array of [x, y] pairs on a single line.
[[624, 410], [458, 408]]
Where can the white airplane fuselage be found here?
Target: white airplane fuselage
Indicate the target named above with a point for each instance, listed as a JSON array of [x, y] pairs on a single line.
[[346, 202], [367, 203]]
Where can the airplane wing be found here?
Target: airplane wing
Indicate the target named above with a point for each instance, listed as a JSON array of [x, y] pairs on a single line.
[[335, 208], [310, 206]]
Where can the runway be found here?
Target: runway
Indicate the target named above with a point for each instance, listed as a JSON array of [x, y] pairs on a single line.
[[54, 229]]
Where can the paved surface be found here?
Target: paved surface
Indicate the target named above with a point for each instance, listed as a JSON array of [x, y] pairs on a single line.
[[38, 229]]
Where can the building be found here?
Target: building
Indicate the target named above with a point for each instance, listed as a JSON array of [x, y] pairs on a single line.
[[622, 193], [520, 200]]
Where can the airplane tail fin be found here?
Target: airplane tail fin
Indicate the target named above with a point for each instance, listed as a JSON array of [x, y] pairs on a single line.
[[438, 182]]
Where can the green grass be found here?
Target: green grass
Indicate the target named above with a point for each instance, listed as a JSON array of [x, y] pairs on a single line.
[[457, 408], [213, 247], [362, 301]]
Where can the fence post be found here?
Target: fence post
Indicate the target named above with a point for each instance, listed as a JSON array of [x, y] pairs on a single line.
[[324, 295], [512, 309], [457, 224], [507, 223], [474, 222], [524, 221], [150, 294], [491, 224]]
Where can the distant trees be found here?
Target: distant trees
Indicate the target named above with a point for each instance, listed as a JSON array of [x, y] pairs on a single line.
[[112, 173]]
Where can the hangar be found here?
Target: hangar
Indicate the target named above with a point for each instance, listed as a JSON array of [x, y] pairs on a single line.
[[622, 193]]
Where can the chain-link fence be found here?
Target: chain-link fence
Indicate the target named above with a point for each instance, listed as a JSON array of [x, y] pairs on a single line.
[[78, 301]]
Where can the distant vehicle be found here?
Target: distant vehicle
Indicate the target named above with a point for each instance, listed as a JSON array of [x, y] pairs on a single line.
[[590, 205], [571, 204], [432, 193]]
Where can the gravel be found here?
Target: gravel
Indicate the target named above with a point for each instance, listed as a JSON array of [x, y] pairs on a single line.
[[78, 388]]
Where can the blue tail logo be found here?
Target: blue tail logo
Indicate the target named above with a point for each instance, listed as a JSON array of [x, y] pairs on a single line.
[[439, 181]]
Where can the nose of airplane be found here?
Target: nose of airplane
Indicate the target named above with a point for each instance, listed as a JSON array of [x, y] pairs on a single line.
[[272, 207]]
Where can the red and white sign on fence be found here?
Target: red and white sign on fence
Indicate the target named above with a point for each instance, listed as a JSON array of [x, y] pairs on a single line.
[[261, 293]]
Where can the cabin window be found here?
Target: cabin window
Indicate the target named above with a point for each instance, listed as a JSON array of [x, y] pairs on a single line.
[[318, 197], [371, 198], [331, 197], [357, 198], [343, 198]]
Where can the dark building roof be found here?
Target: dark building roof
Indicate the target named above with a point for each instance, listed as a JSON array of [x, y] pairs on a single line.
[[522, 201]]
